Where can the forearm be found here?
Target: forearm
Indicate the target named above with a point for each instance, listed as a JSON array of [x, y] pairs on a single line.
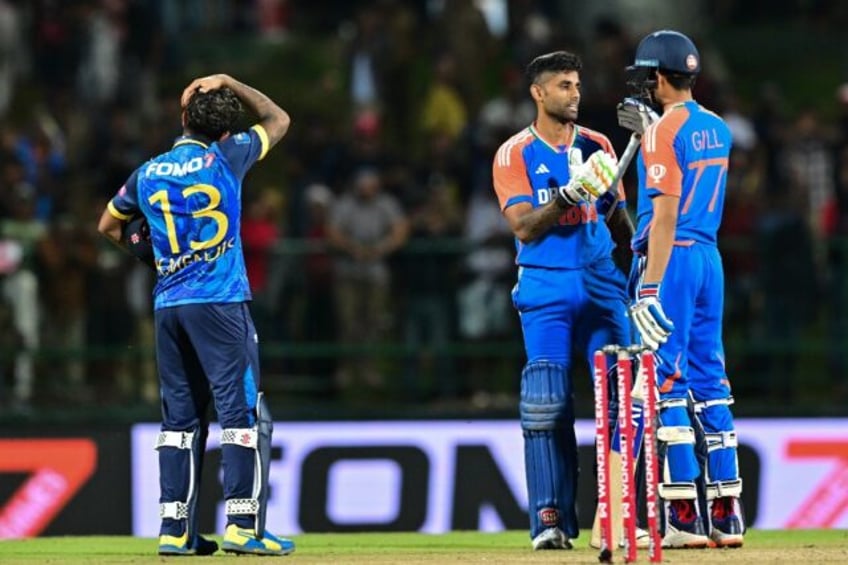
[[534, 223], [111, 228], [660, 244], [396, 238], [271, 117]]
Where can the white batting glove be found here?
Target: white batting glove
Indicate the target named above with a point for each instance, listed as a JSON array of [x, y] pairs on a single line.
[[648, 316], [635, 115], [591, 180]]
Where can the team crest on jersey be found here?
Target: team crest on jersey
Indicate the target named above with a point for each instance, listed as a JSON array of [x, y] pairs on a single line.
[[657, 172]]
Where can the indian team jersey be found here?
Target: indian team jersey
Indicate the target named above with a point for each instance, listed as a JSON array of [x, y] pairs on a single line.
[[684, 154], [529, 169], [191, 197]]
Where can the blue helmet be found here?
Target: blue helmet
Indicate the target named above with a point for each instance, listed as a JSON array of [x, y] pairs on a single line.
[[669, 51]]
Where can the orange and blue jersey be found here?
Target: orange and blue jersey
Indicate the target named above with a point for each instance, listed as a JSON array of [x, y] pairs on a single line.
[[191, 197], [527, 168], [684, 154]]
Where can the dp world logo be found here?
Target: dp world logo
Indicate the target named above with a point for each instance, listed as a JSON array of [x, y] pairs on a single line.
[[657, 172]]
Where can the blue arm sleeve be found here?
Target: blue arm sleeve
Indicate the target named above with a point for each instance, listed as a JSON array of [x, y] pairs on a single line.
[[243, 149], [124, 205]]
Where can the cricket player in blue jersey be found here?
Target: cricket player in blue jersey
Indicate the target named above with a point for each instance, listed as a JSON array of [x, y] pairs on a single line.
[[678, 288], [206, 343], [552, 180]]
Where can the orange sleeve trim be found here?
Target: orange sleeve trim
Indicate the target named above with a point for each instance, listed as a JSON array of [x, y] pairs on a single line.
[[662, 171], [509, 173]]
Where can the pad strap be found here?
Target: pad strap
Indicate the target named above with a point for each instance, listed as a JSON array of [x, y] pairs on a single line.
[[676, 435], [180, 440], [244, 437], [700, 406], [724, 488], [720, 440], [678, 491], [672, 403], [173, 510], [241, 506]]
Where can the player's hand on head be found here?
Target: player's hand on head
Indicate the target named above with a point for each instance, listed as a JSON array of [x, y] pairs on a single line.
[[635, 116], [649, 318], [203, 84], [591, 180]]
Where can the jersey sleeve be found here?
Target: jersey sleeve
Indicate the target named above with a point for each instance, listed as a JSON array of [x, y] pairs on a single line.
[[124, 205], [243, 149], [509, 176], [662, 172]]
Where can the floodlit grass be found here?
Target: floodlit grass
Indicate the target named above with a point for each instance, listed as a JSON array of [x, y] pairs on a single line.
[[807, 546]]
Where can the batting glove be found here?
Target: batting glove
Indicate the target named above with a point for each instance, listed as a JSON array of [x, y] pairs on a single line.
[[648, 316], [590, 181], [635, 116]]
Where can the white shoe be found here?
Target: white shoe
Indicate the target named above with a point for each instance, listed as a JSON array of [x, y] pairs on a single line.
[[552, 538], [681, 539], [642, 539], [722, 539]]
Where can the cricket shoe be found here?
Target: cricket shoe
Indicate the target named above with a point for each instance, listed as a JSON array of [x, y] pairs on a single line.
[[685, 529], [243, 540], [178, 545], [727, 528], [552, 538], [643, 539]]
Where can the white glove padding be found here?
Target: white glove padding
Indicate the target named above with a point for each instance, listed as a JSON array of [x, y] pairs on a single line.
[[653, 325], [591, 180], [635, 116]]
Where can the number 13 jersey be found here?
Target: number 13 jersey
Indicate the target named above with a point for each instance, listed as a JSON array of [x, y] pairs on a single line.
[[191, 197]]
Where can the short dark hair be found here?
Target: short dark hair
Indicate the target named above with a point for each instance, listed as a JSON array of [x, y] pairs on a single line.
[[679, 81], [555, 62], [213, 113]]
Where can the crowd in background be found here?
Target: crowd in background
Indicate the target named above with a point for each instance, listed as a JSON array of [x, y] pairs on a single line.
[[379, 261]]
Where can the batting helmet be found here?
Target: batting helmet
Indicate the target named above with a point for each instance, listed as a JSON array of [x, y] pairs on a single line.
[[669, 51]]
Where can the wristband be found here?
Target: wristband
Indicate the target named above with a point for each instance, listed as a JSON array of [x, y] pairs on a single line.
[[649, 290]]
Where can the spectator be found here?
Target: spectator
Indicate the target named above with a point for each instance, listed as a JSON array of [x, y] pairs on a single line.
[[365, 226], [430, 275]]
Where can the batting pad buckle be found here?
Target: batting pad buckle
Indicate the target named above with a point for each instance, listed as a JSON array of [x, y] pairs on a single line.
[[676, 435], [720, 489], [242, 506], [672, 403], [678, 491], [180, 440], [173, 510], [244, 437], [720, 440], [702, 405]]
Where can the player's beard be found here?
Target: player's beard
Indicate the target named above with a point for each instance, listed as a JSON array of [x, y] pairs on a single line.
[[563, 113]]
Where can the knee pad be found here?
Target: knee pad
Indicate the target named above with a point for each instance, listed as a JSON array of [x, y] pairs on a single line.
[[247, 456], [676, 442], [180, 461], [715, 418], [550, 447]]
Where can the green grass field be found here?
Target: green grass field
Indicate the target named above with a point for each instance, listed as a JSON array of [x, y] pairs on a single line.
[[799, 546]]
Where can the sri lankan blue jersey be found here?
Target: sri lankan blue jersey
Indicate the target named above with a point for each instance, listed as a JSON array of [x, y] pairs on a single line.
[[684, 154], [529, 169], [191, 197]]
